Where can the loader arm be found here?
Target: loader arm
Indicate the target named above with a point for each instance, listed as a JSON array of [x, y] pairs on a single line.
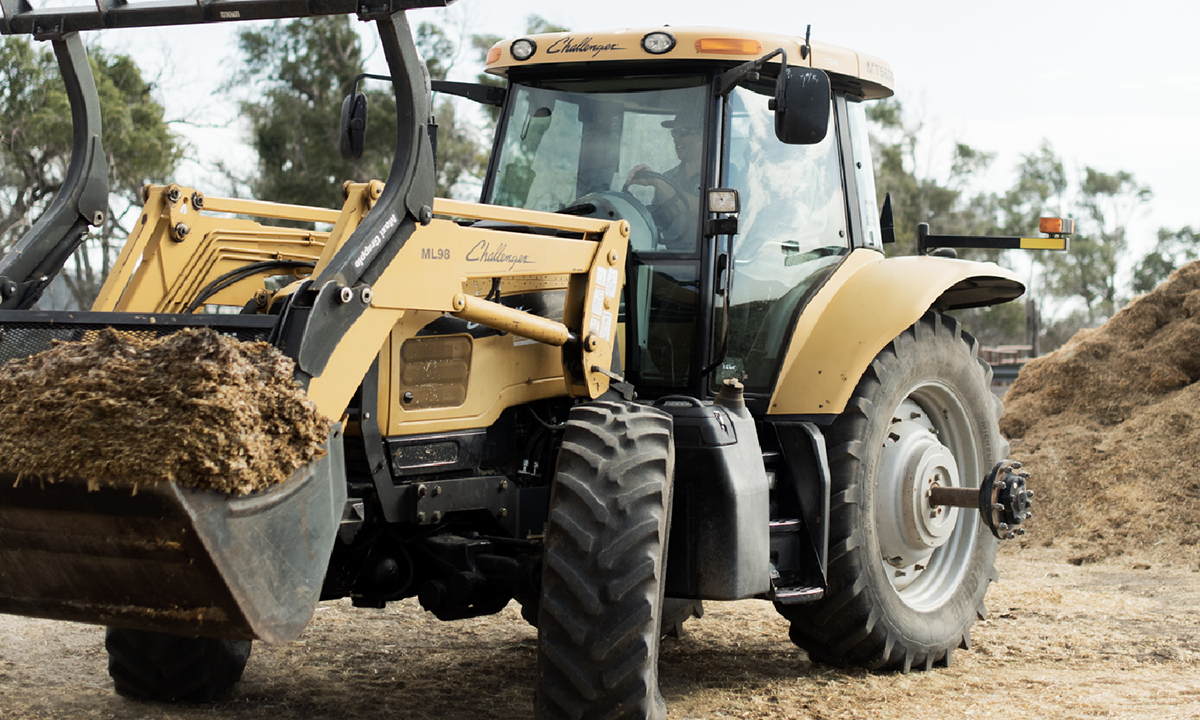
[[357, 292], [82, 201], [433, 270]]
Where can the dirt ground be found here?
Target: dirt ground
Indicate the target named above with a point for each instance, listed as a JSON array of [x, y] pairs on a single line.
[[1065, 638]]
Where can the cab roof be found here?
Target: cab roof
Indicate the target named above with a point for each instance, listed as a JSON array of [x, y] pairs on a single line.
[[858, 73]]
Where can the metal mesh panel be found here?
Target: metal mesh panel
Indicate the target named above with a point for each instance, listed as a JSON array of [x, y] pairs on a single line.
[[22, 338]]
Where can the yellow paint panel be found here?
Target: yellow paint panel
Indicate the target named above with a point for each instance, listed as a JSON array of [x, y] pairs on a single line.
[[1043, 243], [352, 357], [529, 371], [160, 270], [863, 306], [692, 43]]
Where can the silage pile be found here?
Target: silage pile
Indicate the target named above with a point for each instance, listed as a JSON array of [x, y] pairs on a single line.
[[1109, 427], [195, 407]]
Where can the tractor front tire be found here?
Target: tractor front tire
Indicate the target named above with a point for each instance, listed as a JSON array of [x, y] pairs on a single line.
[[170, 668], [906, 580], [600, 613]]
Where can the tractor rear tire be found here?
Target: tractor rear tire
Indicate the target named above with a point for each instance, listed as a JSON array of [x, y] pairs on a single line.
[[600, 613], [170, 668], [896, 599]]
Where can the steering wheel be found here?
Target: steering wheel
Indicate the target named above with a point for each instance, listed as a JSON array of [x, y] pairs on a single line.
[[613, 205], [668, 217], [679, 191]]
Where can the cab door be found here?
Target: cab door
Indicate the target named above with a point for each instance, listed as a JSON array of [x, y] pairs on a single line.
[[793, 231]]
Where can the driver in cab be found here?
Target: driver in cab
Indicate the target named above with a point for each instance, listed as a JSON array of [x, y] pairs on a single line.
[[675, 208]]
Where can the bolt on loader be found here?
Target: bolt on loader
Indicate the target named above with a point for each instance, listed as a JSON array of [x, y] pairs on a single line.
[[665, 361]]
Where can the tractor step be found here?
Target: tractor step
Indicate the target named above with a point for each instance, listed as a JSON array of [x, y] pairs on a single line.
[[798, 595]]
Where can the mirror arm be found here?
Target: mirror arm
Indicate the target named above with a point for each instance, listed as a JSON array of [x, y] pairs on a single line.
[[363, 76], [748, 70], [476, 92]]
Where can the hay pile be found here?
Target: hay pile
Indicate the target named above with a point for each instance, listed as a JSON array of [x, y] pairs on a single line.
[[195, 407], [1109, 426]]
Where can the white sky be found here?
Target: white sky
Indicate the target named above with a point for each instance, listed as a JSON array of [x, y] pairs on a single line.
[[1113, 85]]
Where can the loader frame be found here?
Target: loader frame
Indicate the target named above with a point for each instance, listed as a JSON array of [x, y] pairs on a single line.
[[355, 291]]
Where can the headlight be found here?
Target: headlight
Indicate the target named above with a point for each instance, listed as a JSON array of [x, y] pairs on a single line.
[[657, 43], [523, 49]]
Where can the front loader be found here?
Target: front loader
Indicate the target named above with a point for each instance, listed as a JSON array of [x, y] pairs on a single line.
[[667, 362]]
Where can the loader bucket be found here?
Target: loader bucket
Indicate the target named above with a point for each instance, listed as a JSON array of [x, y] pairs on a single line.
[[172, 559], [164, 557]]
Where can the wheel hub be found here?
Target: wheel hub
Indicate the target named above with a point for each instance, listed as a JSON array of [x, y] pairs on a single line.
[[912, 462]]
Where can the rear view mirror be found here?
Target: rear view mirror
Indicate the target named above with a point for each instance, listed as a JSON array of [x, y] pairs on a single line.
[[352, 133], [802, 106]]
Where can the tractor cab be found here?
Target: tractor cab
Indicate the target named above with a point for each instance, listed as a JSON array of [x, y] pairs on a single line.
[[732, 227]]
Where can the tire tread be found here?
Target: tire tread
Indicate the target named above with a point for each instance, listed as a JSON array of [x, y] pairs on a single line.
[[601, 603]]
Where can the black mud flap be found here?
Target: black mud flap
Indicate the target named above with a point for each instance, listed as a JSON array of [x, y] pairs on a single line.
[[171, 559]]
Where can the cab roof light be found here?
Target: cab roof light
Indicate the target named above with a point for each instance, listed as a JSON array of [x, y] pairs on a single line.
[[493, 55], [728, 46], [658, 43], [522, 49], [1056, 227]]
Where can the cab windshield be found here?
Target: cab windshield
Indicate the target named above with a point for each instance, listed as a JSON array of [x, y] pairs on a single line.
[[630, 147]]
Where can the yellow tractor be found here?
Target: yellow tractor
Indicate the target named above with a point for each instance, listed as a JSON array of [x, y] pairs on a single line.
[[665, 362]]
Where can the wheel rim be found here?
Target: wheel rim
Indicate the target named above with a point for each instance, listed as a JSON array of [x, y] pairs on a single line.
[[925, 550]]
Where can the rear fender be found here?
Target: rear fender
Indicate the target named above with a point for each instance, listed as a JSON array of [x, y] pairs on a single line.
[[866, 303]]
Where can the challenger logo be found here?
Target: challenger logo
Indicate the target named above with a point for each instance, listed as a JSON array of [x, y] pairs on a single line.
[[571, 45], [483, 252]]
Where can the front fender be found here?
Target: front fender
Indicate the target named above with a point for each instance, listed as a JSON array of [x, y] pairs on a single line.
[[863, 306]]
